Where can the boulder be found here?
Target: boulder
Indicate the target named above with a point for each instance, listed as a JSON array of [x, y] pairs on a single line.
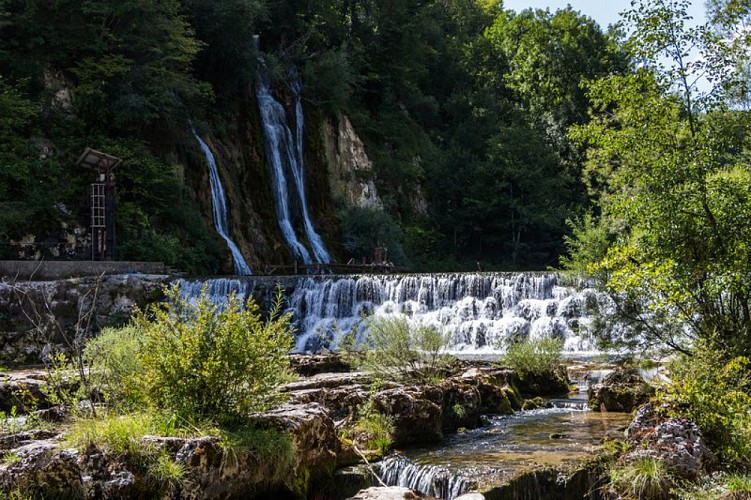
[[23, 390], [417, 412], [551, 383], [675, 441], [313, 364], [497, 393], [461, 405], [313, 433], [43, 471], [622, 390], [387, 493]]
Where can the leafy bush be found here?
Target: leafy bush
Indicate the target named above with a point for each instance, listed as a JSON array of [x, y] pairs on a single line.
[[206, 363], [644, 477], [396, 349], [377, 427], [716, 394], [534, 357], [196, 360], [115, 366]]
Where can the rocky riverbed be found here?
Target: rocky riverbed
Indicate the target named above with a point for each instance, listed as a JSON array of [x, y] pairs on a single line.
[[549, 446]]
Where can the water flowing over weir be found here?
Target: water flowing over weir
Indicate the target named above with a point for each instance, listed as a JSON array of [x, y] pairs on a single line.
[[285, 155], [221, 215], [482, 311], [428, 479]]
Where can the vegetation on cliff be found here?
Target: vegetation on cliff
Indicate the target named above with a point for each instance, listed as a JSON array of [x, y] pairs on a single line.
[[471, 159]]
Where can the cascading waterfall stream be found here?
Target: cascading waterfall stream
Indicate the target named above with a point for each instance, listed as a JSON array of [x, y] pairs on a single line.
[[483, 312], [430, 480], [221, 215], [285, 154], [298, 169]]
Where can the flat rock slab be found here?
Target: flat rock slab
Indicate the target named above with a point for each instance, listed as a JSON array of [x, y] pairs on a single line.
[[387, 493]]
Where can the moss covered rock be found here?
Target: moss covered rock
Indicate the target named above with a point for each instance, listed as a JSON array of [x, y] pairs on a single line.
[[622, 390]]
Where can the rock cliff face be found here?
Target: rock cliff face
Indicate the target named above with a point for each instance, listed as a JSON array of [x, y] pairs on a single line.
[[338, 173], [351, 173], [41, 316]]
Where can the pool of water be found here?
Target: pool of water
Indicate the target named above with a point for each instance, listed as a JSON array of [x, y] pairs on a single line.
[[566, 433]]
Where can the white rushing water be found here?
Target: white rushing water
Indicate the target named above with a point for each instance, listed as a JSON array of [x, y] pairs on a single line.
[[221, 214], [285, 156], [482, 312], [432, 480]]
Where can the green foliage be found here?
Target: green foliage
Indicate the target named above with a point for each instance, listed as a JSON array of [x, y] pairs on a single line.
[[642, 478], [533, 357], [11, 457], [396, 349], [716, 394], [588, 243], [678, 207], [115, 365], [119, 434], [273, 449], [209, 364], [375, 426], [122, 436], [363, 229]]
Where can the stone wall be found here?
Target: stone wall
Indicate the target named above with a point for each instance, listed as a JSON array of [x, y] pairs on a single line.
[[38, 317], [42, 270]]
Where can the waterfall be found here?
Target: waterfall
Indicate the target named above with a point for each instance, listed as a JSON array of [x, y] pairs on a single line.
[[298, 170], [483, 312], [285, 155], [431, 480], [219, 204]]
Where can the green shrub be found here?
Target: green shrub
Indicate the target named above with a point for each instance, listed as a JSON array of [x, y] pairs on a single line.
[[116, 368], [11, 457], [399, 350], [206, 363], [716, 394], [378, 427], [534, 357], [644, 478]]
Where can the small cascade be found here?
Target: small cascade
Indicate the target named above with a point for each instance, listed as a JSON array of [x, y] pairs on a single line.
[[219, 204], [431, 480], [483, 312], [284, 151]]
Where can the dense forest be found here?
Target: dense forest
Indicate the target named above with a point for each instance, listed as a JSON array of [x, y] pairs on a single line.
[[477, 119], [461, 104]]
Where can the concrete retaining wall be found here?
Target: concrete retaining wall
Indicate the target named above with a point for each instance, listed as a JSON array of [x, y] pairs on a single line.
[[45, 270]]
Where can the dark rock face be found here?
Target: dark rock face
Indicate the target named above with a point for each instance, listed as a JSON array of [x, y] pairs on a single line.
[[42, 316], [24, 391], [312, 364], [553, 383], [550, 484], [417, 412], [622, 390], [675, 441]]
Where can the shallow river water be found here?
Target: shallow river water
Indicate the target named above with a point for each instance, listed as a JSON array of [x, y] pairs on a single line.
[[478, 459]]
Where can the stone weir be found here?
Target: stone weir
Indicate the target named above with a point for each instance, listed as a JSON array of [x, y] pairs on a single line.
[[482, 312]]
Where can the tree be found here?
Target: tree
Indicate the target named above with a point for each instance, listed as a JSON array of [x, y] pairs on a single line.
[[669, 166]]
